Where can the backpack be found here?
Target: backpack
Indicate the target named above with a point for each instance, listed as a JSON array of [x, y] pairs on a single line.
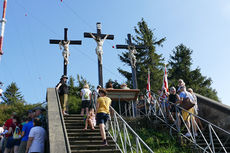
[[17, 133], [86, 95]]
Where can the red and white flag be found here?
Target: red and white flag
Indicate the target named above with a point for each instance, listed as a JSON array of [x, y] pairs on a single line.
[[165, 80], [148, 87]]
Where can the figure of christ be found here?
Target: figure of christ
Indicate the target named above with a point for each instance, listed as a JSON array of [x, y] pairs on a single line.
[[132, 57], [99, 48], [65, 52]]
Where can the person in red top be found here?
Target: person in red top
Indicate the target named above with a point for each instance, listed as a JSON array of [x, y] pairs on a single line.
[[11, 142], [6, 126]]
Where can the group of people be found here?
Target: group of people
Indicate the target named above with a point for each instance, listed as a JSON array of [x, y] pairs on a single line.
[[92, 115], [102, 111], [25, 135], [178, 97]]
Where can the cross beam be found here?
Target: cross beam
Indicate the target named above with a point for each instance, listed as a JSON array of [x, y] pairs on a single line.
[[65, 43], [99, 38], [132, 50], [130, 44]]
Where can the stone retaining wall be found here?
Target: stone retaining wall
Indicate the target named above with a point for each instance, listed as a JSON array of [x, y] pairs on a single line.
[[215, 112]]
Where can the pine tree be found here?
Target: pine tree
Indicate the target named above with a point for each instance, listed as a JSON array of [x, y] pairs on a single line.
[[180, 68], [12, 95], [146, 58]]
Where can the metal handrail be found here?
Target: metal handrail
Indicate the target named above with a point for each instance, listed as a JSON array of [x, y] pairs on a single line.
[[125, 139], [210, 146], [67, 144]]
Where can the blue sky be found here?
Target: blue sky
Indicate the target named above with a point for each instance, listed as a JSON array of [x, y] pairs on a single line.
[[35, 65]]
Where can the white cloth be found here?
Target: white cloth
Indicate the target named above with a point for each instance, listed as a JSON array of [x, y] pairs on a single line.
[[39, 135], [1, 92], [1, 130], [85, 94], [196, 105]]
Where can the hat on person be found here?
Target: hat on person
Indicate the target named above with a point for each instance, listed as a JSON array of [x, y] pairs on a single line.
[[64, 76], [123, 85], [172, 89], [86, 86]]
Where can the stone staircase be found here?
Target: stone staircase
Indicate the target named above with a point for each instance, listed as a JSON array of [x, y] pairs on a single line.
[[88, 141]]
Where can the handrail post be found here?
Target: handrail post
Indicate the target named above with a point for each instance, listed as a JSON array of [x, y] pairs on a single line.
[[125, 138], [211, 139]]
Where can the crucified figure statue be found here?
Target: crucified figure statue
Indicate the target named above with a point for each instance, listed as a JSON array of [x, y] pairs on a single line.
[[65, 52], [99, 48], [132, 57]]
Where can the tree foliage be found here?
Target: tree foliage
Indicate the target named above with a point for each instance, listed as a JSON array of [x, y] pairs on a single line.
[[12, 95], [13, 101], [180, 68], [146, 58], [115, 84]]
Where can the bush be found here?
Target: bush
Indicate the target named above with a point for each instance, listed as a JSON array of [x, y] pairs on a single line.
[[74, 104]]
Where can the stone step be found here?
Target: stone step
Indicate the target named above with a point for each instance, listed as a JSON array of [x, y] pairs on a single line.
[[96, 151], [89, 138], [74, 121], [74, 115], [215, 140], [217, 146], [93, 147], [85, 134], [80, 127], [94, 142], [88, 130]]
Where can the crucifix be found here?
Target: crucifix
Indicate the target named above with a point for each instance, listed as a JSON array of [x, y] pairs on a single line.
[[99, 38], [132, 58], [64, 45]]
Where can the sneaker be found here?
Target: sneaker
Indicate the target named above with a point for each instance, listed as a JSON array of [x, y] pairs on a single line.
[[188, 134], [64, 113], [105, 143]]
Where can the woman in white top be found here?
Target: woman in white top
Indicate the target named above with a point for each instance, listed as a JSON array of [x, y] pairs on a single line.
[[86, 97], [37, 136]]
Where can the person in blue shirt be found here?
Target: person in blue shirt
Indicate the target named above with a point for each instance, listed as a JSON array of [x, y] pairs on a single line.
[[25, 135]]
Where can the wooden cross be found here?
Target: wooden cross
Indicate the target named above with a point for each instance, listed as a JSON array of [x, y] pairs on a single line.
[[65, 44], [132, 50], [99, 38]]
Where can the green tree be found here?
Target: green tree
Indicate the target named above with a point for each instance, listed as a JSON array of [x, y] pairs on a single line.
[[146, 58], [115, 84], [12, 95], [180, 68]]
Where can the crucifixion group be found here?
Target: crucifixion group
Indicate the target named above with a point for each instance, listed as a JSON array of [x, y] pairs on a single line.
[[99, 39]]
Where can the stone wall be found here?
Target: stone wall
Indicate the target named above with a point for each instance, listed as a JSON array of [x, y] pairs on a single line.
[[215, 112], [56, 135]]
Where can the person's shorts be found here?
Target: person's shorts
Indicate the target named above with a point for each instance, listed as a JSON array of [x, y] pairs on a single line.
[[85, 103], [12, 142], [22, 147], [102, 118]]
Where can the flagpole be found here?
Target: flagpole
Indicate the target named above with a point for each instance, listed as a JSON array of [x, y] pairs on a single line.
[[3, 22]]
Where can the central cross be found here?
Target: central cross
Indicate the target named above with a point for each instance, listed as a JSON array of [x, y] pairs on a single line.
[[99, 38]]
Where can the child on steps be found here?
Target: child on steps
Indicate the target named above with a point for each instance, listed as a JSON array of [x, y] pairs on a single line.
[[90, 120]]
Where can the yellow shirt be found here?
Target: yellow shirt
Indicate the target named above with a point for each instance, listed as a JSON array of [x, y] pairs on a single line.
[[104, 103]]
